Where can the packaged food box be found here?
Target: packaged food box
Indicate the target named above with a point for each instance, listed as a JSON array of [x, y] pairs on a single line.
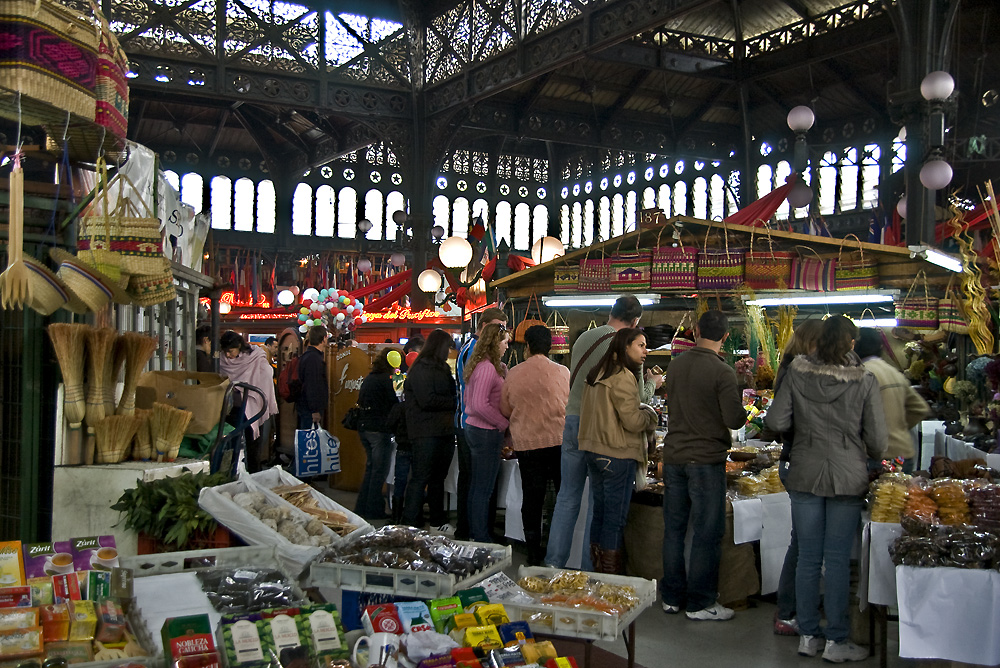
[[82, 620], [494, 614], [98, 585], [381, 617], [95, 553], [15, 597], [442, 609], [515, 634], [508, 656], [18, 618], [320, 627], [122, 586], [281, 628], [539, 652], [471, 597], [210, 660], [47, 559], [184, 636], [11, 564], [242, 641], [442, 661], [561, 662], [415, 616], [110, 622], [55, 621], [484, 637], [65, 588], [41, 591], [20, 643], [80, 651]]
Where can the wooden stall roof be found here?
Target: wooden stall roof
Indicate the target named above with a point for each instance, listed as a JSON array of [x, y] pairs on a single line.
[[897, 269]]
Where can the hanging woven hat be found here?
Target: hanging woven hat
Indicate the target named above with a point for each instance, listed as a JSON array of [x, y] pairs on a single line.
[[91, 286], [47, 293]]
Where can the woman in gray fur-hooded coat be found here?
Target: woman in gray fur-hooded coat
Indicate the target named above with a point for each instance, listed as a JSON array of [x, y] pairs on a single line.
[[835, 411]]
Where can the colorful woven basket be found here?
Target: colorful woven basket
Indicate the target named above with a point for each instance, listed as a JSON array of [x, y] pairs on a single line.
[[856, 272], [595, 275], [153, 289], [815, 274], [566, 277], [49, 53], [768, 269], [560, 334], [630, 269], [951, 312], [918, 312], [673, 267], [111, 82]]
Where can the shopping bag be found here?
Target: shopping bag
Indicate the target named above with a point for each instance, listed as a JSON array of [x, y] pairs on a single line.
[[317, 452], [814, 274]]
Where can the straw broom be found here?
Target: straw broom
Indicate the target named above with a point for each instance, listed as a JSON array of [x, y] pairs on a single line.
[[100, 345], [167, 426], [112, 371], [68, 342], [143, 450], [114, 438], [138, 350]]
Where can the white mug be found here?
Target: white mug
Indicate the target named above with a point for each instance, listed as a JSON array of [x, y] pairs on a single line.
[[382, 649]]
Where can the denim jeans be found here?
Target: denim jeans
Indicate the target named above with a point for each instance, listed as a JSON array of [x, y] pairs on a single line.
[[378, 449], [826, 527], [611, 479], [400, 476], [573, 475], [695, 493], [786, 581], [431, 458], [484, 446]]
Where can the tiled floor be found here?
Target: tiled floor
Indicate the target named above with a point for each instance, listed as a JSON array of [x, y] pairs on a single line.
[[672, 640]]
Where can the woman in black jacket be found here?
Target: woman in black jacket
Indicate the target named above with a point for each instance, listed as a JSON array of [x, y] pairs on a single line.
[[375, 398], [430, 398]]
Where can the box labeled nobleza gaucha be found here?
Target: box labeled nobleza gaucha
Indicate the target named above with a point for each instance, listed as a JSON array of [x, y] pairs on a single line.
[[187, 636]]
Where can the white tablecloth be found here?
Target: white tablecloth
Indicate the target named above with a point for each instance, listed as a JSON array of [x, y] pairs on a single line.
[[768, 519]]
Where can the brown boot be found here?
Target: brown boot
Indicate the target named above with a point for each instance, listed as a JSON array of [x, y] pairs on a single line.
[[595, 557], [612, 561]]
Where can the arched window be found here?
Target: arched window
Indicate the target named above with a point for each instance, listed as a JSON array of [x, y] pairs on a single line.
[[302, 209], [898, 154], [522, 227], [503, 222], [764, 182], [326, 211], [565, 229], [539, 222], [347, 213], [828, 184], [266, 207], [870, 176], [649, 198], [717, 197], [577, 225], [663, 200], [680, 199], [481, 208], [699, 197], [442, 212], [222, 203], [460, 218], [781, 173], [172, 179], [588, 222], [630, 211], [849, 172], [375, 213], [243, 204], [394, 201], [604, 219], [193, 191], [617, 214]]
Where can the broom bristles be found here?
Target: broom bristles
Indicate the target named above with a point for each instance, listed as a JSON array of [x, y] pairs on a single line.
[[112, 371], [69, 341], [167, 427], [138, 350], [114, 435], [101, 343], [143, 449]]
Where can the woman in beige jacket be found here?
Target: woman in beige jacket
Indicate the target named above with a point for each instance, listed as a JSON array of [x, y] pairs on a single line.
[[613, 425]]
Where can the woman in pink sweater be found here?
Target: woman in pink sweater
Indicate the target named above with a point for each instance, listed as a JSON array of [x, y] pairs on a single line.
[[484, 424]]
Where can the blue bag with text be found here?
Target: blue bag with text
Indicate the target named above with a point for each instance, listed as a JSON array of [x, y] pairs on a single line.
[[317, 452]]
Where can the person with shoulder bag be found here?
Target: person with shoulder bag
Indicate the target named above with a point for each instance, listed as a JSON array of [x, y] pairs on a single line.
[[376, 399]]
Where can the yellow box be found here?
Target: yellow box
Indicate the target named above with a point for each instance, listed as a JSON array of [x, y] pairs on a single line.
[[82, 620], [484, 637], [539, 652], [11, 564], [494, 614]]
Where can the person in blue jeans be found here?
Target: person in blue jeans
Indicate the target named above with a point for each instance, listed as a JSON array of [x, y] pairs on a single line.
[[835, 411], [376, 399], [704, 403], [588, 349]]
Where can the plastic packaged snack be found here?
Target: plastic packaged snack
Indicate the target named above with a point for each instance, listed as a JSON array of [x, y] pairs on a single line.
[[919, 503]]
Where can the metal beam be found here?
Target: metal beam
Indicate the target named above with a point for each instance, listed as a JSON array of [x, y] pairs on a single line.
[[662, 59], [798, 8], [612, 22], [134, 121], [710, 101], [631, 88], [218, 131]]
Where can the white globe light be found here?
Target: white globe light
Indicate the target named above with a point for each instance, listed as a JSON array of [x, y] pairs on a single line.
[[397, 259], [547, 248], [455, 252], [285, 297], [312, 294], [936, 174], [937, 86], [364, 225], [801, 118], [902, 134], [224, 308], [437, 231], [800, 195], [399, 217], [364, 265], [901, 207], [429, 281]]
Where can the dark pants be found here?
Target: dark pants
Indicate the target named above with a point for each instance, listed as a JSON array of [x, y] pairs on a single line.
[[786, 582], [378, 450], [431, 459], [464, 473], [400, 477], [537, 468], [485, 446], [612, 480], [695, 493], [305, 417]]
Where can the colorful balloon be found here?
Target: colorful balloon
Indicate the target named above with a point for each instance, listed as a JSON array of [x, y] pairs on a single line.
[[411, 357], [303, 310], [394, 359], [340, 317], [303, 328]]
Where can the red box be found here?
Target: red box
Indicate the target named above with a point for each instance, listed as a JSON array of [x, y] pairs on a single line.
[[17, 597], [381, 617], [562, 662]]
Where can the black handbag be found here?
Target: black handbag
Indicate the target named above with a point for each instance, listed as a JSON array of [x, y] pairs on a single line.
[[352, 418]]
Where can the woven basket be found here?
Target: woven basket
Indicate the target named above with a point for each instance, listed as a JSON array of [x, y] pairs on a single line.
[[630, 269], [813, 273], [111, 82], [560, 334], [150, 289], [856, 272], [566, 278], [768, 269], [595, 275], [680, 344], [720, 268], [918, 312], [951, 312], [673, 267], [49, 53]]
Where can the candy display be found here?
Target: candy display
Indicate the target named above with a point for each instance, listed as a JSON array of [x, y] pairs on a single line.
[[889, 498], [984, 505], [236, 591], [925, 544], [919, 503], [575, 589], [950, 498]]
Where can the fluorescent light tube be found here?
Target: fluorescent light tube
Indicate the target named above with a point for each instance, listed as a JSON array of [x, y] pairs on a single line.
[[878, 322], [943, 260], [595, 300], [822, 299]]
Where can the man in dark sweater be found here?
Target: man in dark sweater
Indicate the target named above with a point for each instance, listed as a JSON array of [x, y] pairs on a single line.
[[704, 403], [315, 394]]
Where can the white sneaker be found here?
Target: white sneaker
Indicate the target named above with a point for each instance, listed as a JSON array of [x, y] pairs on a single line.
[[838, 652], [810, 645], [714, 613], [671, 609], [445, 529]]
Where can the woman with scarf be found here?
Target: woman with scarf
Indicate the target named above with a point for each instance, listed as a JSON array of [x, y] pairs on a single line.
[[243, 363]]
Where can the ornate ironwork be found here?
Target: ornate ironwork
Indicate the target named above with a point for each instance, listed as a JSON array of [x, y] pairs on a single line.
[[828, 22]]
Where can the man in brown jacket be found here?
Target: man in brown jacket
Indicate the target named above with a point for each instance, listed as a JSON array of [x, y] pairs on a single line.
[[704, 403]]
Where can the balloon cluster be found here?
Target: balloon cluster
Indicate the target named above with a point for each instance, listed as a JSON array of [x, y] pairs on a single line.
[[330, 308]]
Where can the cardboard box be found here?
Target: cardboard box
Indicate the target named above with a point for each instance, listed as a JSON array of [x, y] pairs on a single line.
[[18, 618], [200, 393], [242, 641], [47, 559], [20, 643], [95, 553], [55, 622], [11, 564], [15, 597], [320, 627], [82, 620], [183, 636], [74, 652]]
